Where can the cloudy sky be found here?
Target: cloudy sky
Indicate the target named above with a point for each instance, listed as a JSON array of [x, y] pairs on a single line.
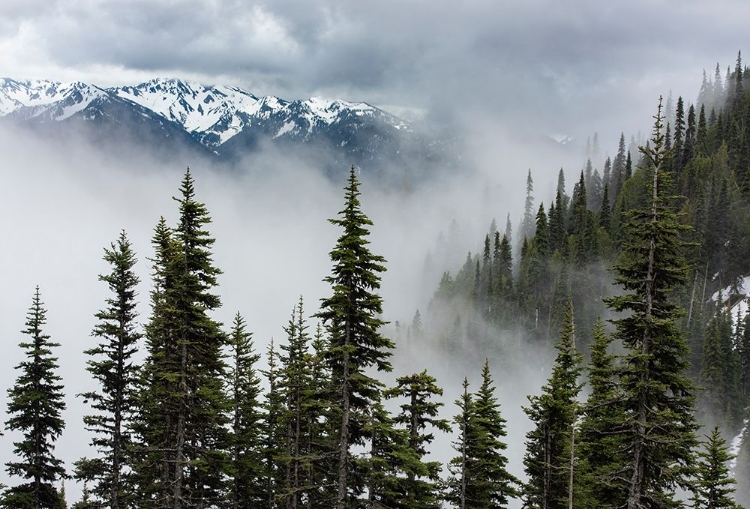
[[566, 64]]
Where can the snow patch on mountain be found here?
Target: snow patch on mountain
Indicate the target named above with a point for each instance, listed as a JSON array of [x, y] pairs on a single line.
[[210, 114], [736, 297], [39, 97]]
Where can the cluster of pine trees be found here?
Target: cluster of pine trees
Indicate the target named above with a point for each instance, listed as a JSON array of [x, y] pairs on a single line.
[[200, 424], [566, 247]]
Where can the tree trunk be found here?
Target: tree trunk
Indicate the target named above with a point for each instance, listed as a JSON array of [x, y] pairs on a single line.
[[344, 438]]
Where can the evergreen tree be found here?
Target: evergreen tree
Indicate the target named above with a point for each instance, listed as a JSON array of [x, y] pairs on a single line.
[[112, 366], [657, 395], [479, 478], [274, 441], [549, 445], [351, 314], [679, 134], [720, 373], [184, 409], [527, 224], [246, 489], [420, 487], [601, 457], [35, 404], [382, 472], [714, 486]]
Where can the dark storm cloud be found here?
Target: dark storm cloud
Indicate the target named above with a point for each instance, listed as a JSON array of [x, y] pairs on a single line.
[[543, 63]]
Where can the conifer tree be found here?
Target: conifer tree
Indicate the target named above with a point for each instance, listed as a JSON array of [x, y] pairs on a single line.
[[548, 458], [657, 396], [35, 404], [527, 224], [111, 365], [720, 373], [301, 409], [599, 451], [184, 410], [713, 484], [382, 470], [479, 478], [246, 489], [417, 414], [351, 315], [273, 431]]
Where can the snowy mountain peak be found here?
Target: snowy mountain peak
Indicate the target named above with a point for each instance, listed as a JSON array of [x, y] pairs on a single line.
[[54, 99], [211, 115]]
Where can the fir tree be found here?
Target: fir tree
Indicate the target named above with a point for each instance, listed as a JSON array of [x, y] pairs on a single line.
[[35, 405], [657, 395], [185, 367], [479, 478], [351, 314], [548, 458], [112, 366], [246, 489], [527, 224], [417, 414], [599, 452], [713, 484]]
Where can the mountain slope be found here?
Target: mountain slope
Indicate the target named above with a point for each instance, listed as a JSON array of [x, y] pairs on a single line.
[[224, 123]]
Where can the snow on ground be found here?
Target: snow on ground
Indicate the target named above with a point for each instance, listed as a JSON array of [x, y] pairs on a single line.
[[738, 296]]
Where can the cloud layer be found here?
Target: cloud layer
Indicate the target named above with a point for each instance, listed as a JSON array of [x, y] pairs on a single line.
[[560, 65]]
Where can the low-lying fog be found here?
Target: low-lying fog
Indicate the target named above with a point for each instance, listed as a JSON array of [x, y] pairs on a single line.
[[64, 201]]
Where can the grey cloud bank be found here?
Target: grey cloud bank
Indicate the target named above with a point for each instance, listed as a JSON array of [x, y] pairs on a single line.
[[574, 67]]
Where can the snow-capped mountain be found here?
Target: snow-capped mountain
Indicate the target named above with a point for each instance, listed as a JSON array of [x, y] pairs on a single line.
[[211, 114], [215, 114], [222, 122], [47, 99]]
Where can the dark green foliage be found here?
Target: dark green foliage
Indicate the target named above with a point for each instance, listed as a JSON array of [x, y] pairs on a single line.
[[303, 392], [184, 411], [274, 433], [479, 477], [111, 366], [35, 405], [527, 224], [548, 457], [719, 378], [657, 396], [247, 488], [713, 484], [420, 487], [351, 315], [601, 458]]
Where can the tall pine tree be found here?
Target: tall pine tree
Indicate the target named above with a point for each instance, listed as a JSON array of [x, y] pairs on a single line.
[[352, 316], [548, 458], [657, 396], [35, 404], [112, 366]]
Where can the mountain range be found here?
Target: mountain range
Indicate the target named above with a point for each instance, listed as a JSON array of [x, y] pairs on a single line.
[[223, 123]]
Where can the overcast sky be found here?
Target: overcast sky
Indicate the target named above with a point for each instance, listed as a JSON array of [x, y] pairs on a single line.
[[576, 66]]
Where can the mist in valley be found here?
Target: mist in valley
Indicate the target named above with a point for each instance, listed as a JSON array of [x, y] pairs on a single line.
[[71, 198]]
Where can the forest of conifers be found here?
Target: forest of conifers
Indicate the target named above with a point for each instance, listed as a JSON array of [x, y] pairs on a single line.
[[650, 380]]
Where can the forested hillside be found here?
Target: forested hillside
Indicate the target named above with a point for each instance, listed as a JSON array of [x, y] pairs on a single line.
[[607, 290]]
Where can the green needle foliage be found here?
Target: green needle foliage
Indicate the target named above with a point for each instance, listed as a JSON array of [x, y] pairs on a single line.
[[111, 365], [548, 458], [35, 405], [352, 316], [713, 484], [657, 396]]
